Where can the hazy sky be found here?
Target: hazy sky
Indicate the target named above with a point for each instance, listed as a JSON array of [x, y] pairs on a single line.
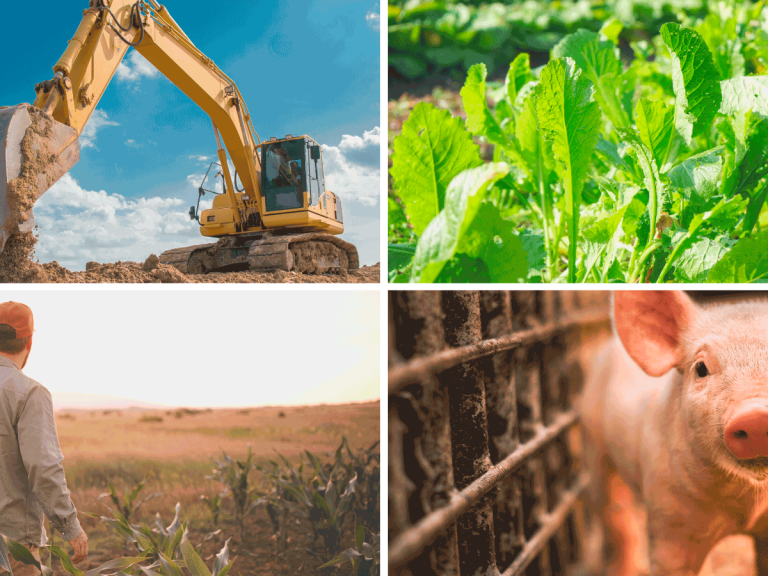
[[205, 348], [303, 67]]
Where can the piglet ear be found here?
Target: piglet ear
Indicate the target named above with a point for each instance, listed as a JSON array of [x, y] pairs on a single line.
[[651, 325]]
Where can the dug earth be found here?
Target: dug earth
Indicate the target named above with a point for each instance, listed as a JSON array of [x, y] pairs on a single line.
[[17, 266]]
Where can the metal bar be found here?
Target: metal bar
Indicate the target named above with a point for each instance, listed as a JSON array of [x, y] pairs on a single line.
[[550, 524], [410, 542], [420, 369], [466, 385]]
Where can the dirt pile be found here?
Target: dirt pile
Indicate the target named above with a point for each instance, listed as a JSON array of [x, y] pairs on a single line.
[[16, 266]]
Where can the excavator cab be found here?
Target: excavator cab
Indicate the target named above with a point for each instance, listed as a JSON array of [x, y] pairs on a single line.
[[293, 185], [285, 175]]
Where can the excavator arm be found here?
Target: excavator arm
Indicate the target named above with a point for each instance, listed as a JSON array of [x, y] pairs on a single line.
[[41, 141]]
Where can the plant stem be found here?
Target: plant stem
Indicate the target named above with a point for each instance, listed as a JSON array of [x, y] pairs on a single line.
[[640, 263], [671, 259]]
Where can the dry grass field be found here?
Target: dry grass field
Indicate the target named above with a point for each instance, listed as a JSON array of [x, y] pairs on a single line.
[[174, 448]]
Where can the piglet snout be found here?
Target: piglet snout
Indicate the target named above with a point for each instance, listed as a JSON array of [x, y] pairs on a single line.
[[746, 432]]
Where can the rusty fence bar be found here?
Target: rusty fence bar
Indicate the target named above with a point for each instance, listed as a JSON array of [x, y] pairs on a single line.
[[407, 544], [484, 459], [549, 525], [420, 368]]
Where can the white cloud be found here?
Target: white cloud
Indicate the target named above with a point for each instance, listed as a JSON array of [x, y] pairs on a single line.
[[373, 18], [201, 158], [352, 168], [97, 121], [78, 225], [134, 67]]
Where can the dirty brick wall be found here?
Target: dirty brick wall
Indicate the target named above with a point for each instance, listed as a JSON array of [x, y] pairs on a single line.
[[484, 474]]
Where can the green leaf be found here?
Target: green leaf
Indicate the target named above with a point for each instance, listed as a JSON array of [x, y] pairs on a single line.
[[439, 242], [396, 213], [699, 174], [221, 564], [480, 120], [518, 75], [747, 261], [611, 29], [695, 81], [118, 563], [492, 240], [745, 94], [21, 553], [722, 217], [655, 124], [431, 150], [192, 559], [601, 65], [651, 180], [530, 140], [399, 256], [570, 118], [695, 262], [533, 244], [66, 562], [359, 537], [170, 567]]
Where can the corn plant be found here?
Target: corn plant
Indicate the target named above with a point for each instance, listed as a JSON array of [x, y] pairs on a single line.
[[363, 470], [364, 557], [326, 496], [214, 506], [165, 550], [233, 474], [129, 504]]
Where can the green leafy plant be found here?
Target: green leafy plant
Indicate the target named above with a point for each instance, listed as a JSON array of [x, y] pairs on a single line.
[[165, 550], [214, 506], [130, 502], [603, 171], [323, 493], [437, 36], [364, 557], [233, 474]]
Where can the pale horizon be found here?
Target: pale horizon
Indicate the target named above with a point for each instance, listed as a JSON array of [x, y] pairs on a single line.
[[204, 349]]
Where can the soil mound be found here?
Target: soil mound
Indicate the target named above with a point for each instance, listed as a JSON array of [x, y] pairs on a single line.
[[17, 266]]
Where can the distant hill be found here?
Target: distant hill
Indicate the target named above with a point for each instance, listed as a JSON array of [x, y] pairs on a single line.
[[79, 401]]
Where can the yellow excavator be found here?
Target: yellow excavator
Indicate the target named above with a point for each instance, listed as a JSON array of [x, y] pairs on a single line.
[[281, 217]]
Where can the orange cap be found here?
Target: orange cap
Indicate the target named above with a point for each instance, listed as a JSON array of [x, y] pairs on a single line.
[[19, 317]]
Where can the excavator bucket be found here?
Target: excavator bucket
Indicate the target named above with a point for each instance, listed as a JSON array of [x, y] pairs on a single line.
[[37, 151]]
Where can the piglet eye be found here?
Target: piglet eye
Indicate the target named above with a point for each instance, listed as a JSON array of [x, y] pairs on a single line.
[[701, 369]]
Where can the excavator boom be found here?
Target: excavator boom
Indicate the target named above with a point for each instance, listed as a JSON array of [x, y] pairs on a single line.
[[41, 146]]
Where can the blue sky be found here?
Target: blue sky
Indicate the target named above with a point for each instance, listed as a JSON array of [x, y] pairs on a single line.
[[146, 147]]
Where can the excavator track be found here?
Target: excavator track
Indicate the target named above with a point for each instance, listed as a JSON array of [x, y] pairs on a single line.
[[190, 260], [309, 253]]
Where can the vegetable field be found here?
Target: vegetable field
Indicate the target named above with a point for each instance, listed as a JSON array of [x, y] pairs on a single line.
[[261, 491], [621, 142]]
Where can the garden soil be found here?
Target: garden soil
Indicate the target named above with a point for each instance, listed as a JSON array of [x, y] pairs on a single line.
[[17, 265]]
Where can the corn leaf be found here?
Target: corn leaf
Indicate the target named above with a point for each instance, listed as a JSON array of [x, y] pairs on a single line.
[[192, 559], [118, 563]]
